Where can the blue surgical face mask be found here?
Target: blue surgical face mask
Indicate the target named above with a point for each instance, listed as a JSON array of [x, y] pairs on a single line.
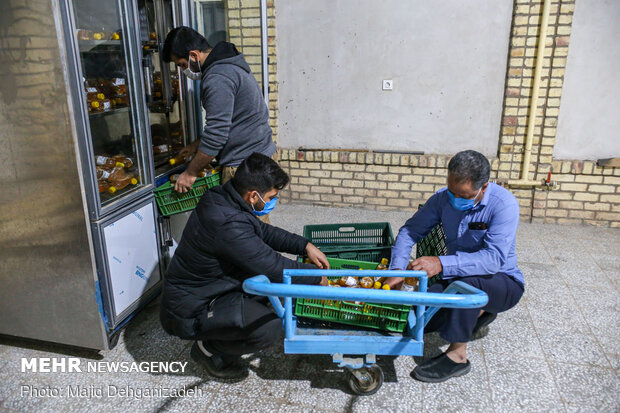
[[269, 206], [462, 204]]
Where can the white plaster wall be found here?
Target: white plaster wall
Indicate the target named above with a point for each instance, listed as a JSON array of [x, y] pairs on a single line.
[[447, 60], [589, 121]]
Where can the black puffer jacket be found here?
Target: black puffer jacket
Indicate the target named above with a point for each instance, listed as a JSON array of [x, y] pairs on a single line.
[[222, 245]]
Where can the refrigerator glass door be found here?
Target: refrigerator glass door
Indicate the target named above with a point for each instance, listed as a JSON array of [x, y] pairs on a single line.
[[106, 71], [130, 251], [164, 87]]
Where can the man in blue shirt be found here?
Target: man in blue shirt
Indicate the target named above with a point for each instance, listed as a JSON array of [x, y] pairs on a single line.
[[480, 220]]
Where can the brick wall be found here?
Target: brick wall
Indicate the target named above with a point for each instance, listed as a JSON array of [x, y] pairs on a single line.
[[245, 32], [584, 193]]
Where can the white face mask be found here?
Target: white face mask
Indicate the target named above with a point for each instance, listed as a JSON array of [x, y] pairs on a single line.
[[190, 73]]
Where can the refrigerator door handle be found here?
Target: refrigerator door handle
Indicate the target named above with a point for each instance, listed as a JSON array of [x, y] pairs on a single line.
[[164, 230], [148, 77]]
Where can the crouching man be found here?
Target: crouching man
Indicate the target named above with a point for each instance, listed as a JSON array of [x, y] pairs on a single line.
[[222, 245], [480, 220]]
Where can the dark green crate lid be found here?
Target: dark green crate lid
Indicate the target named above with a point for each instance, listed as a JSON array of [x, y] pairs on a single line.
[[372, 234]]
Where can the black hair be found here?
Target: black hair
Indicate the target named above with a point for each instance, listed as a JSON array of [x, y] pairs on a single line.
[[181, 40], [470, 166], [259, 173]]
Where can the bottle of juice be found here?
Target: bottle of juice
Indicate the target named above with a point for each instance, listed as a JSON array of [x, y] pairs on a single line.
[[122, 182], [120, 101], [125, 160], [347, 281], [102, 173], [103, 186], [157, 149], [179, 159], [95, 107], [84, 34], [117, 86], [383, 265], [410, 284], [107, 162], [92, 94], [366, 282], [105, 104]]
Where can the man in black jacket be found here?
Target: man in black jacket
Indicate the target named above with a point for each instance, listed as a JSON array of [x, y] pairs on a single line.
[[222, 245]]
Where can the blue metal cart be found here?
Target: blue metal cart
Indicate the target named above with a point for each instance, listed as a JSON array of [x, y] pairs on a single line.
[[354, 350]]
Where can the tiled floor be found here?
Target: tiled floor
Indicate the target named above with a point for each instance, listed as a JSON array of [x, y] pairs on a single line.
[[557, 350]]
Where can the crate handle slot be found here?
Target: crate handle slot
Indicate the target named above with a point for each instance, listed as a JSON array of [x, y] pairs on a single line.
[[346, 229]]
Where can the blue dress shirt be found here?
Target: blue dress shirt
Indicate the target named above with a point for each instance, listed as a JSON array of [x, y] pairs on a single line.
[[470, 252]]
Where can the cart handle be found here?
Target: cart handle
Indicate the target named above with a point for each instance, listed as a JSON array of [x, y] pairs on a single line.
[[469, 297]]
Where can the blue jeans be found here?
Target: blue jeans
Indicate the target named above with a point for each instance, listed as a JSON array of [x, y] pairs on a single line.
[[456, 325]]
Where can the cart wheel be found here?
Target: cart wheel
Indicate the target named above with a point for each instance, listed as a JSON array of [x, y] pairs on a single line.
[[366, 381]]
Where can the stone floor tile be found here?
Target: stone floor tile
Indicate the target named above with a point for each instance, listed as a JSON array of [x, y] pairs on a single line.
[[589, 386], [522, 384], [572, 348]]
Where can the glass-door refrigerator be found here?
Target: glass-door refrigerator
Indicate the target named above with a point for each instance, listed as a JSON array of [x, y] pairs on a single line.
[[131, 121]]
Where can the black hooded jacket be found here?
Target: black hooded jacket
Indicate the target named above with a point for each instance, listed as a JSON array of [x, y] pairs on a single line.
[[222, 245]]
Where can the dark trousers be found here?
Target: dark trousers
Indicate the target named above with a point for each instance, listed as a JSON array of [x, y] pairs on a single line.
[[237, 324], [456, 325]]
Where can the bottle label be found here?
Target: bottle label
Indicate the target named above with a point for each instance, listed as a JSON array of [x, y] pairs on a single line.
[[118, 81], [107, 105], [100, 160], [91, 90], [350, 281], [408, 288], [105, 174]]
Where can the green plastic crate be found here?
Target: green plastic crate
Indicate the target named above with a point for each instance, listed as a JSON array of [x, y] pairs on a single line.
[[361, 254], [433, 245], [390, 317], [171, 202], [350, 236]]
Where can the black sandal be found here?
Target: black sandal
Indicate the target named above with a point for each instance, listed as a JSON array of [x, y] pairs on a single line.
[[440, 369]]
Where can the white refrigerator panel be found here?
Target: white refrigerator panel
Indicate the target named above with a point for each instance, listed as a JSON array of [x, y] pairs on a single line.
[[131, 247]]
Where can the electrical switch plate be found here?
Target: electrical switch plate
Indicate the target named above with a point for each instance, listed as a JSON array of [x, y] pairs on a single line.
[[387, 84]]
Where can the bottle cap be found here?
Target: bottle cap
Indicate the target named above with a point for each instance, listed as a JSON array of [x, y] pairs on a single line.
[[386, 287], [377, 285], [95, 104], [100, 96], [134, 181], [172, 161], [122, 165], [98, 36], [111, 189], [384, 261]]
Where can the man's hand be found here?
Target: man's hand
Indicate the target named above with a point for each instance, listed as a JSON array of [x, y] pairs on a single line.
[[184, 182], [394, 282], [317, 257], [324, 282], [432, 265]]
